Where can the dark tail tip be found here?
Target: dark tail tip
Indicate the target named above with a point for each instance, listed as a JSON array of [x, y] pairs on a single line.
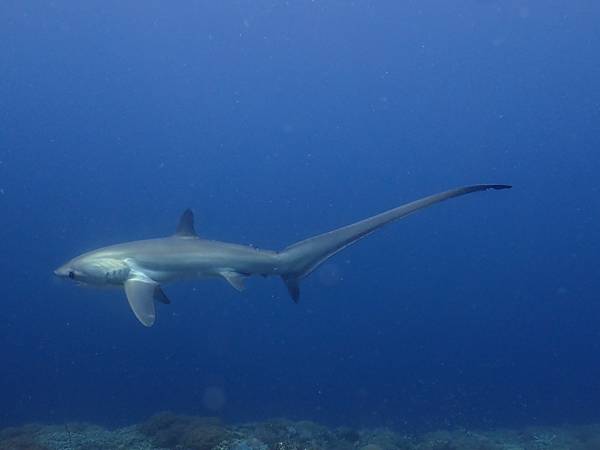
[[481, 188]]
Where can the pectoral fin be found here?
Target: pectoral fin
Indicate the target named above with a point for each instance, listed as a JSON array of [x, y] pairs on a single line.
[[235, 279], [141, 293]]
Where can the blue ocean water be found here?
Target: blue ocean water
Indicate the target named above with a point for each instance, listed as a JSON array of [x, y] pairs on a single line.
[[276, 121]]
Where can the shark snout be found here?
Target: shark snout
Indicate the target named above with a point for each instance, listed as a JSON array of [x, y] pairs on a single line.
[[63, 272]]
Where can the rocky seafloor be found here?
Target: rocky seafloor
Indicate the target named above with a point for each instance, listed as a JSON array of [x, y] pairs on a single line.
[[171, 431]]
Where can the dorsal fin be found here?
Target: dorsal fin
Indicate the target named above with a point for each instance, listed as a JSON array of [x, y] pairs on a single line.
[[185, 227]]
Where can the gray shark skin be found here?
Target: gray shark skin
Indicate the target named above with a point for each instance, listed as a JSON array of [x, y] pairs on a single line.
[[141, 267]]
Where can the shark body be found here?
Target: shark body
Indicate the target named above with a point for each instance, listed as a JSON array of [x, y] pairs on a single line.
[[141, 267]]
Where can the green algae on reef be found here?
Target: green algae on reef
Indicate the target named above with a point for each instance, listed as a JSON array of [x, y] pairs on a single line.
[[178, 432]]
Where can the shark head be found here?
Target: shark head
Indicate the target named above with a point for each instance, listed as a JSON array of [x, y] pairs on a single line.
[[94, 270]]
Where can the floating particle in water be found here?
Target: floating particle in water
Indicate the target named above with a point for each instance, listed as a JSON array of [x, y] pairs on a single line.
[[330, 274]]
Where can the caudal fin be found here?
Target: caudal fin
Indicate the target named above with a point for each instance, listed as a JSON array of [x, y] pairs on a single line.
[[300, 259]]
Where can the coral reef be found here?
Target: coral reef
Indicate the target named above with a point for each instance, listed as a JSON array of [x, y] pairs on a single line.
[[176, 431], [21, 438], [169, 431]]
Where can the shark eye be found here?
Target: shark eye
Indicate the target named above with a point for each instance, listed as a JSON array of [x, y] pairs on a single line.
[[71, 275]]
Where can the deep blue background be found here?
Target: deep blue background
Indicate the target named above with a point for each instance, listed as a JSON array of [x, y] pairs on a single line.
[[276, 121]]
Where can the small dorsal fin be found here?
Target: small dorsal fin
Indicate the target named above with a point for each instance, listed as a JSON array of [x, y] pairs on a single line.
[[185, 227]]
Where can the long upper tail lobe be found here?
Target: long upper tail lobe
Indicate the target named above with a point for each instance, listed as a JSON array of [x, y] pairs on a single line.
[[300, 259]]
